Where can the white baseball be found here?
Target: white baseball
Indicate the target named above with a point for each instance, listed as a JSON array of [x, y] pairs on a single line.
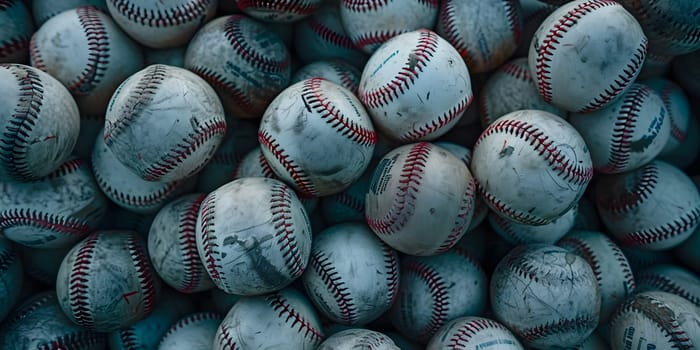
[[172, 245], [531, 166], [416, 86], [317, 137], [419, 188], [254, 164], [580, 65], [371, 23], [55, 211], [86, 51], [245, 61], [280, 320], [626, 134], [654, 207], [358, 338], [106, 281], [16, 31], [473, 333], [610, 267], [486, 33], [279, 11], [164, 123], [436, 289], [335, 70], [193, 332], [160, 24], [533, 280], [40, 123], [511, 88], [40, 323], [679, 114], [672, 25], [128, 190], [517, 233], [322, 36], [669, 278], [11, 277], [655, 320], [253, 236], [352, 277]]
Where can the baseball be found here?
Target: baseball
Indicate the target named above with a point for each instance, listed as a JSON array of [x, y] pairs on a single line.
[[11, 277], [106, 281], [626, 134], [531, 166], [254, 164], [679, 114], [348, 205], [253, 236], [654, 207], [358, 338], [40, 123], [655, 320], [335, 71], [279, 11], [416, 189], [245, 61], [172, 245], [352, 277], [280, 320], [669, 278], [416, 86], [580, 65], [160, 24], [164, 123], [16, 31], [517, 233], [317, 137], [86, 51], [533, 280], [195, 331], [472, 332]]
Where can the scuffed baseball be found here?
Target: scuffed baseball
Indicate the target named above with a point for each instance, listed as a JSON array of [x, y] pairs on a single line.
[[533, 280], [416, 189], [416, 86], [195, 331], [472, 332], [358, 338], [253, 236]]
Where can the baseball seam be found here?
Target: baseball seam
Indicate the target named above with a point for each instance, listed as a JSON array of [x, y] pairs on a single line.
[[15, 140], [409, 182], [663, 24], [133, 200], [299, 8], [10, 46], [663, 232], [335, 285], [347, 80], [371, 341], [438, 291], [285, 232], [328, 35], [643, 188], [176, 15], [143, 272], [373, 39], [660, 315], [226, 341], [7, 259], [463, 219], [24, 310], [441, 121], [666, 284], [514, 70], [224, 87], [356, 205], [235, 37], [299, 176], [448, 27], [315, 99], [287, 313], [364, 6], [182, 150], [42, 220], [625, 123], [421, 54], [189, 320], [73, 340], [622, 260], [461, 336], [78, 294], [129, 339], [391, 265], [564, 325], [666, 92], [98, 51], [512, 8], [208, 237], [187, 242]]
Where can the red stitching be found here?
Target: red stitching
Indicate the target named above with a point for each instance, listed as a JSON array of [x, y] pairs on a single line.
[[208, 237], [666, 284], [136, 200], [660, 21], [191, 320], [11, 46], [314, 97], [34, 218], [644, 184], [658, 312], [356, 205], [219, 82], [287, 312], [391, 264], [517, 69], [129, 339], [544, 146], [581, 248], [448, 29], [546, 50], [285, 233], [301, 179], [423, 51], [623, 130], [622, 260], [461, 336], [285, 6], [327, 34], [403, 205], [372, 40], [505, 209], [140, 95], [374, 5], [580, 322], [333, 281], [443, 120], [348, 75], [513, 14], [440, 298], [463, 219], [187, 239], [143, 271], [664, 232], [226, 341], [78, 295], [187, 12], [98, 51], [234, 34], [188, 145], [75, 340], [15, 139], [68, 167]]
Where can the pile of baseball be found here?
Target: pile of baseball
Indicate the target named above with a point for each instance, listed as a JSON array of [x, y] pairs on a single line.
[[349, 174]]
